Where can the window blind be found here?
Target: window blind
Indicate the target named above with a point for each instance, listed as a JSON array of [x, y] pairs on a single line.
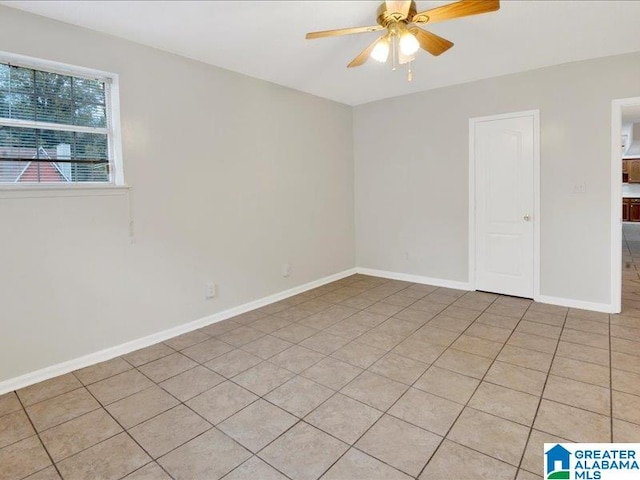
[[53, 127]]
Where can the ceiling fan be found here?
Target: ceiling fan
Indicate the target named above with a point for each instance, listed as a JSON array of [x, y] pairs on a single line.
[[403, 37]]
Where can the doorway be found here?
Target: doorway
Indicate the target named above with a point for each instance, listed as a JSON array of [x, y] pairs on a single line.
[[504, 208], [625, 112]]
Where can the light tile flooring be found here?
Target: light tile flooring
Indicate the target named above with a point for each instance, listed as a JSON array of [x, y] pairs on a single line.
[[364, 378]]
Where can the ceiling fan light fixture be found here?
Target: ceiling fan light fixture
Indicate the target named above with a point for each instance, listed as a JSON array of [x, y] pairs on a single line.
[[380, 52], [404, 37], [408, 44]]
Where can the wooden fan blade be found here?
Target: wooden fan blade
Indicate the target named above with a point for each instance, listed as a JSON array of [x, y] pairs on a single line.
[[431, 42], [398, 6], [343, 31], [364, 55], [463, 8]]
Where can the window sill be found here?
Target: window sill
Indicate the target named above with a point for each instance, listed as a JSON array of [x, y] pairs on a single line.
[[48, 191]]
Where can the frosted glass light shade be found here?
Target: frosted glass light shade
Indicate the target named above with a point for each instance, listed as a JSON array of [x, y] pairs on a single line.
[[408, 44], [380, 52]]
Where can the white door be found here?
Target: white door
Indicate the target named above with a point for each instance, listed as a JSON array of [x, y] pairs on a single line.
[[504, 153]]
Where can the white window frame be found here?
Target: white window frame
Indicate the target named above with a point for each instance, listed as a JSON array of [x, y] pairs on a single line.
[[113, 131]]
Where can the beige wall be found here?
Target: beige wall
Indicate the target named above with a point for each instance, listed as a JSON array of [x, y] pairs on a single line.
[[411, 156], [231, 177]]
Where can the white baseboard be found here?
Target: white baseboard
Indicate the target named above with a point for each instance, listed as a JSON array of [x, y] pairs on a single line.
[[128, 347], [437, 282], [568, 302]]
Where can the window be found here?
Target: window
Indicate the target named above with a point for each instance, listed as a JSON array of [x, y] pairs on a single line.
[[56, 126]]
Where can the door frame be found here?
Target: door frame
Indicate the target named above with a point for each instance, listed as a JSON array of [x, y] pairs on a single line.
[[536, 192], [616, 199]]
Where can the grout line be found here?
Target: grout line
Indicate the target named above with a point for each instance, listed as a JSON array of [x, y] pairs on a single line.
[[151, 361], [65, 421], [39, 439], [87, 448], [542, 394], [415, 381], [610, 382], [82, 385], [586, 381], [626, 244], [226, 475], [126, 432], [49, 398], [85, 385], [466, 405], [152, 462]]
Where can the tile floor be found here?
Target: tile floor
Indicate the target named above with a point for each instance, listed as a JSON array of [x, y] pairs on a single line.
[[364, 378]]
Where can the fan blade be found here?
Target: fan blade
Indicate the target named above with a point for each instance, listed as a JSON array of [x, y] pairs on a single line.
[[343, 31], [398, 6], [364, 55], [431, 42], [463, 8]]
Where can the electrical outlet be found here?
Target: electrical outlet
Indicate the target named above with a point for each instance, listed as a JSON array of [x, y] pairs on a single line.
[[210, 290], [286, 270], [132, 233]]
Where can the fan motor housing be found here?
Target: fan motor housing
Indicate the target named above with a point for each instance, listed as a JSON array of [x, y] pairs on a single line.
[[385, 18]]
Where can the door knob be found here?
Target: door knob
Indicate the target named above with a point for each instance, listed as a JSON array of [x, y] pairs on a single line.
[[527, 218]]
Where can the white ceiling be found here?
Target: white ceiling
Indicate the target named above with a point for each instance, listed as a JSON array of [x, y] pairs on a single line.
[[265, 39]]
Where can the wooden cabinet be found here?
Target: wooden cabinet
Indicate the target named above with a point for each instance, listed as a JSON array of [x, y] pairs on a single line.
[[625, 171], [634, 210], [631, 209], [633, 169]]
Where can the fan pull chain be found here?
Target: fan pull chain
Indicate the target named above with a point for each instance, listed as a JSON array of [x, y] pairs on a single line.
[[394, 52], [410, 72]]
